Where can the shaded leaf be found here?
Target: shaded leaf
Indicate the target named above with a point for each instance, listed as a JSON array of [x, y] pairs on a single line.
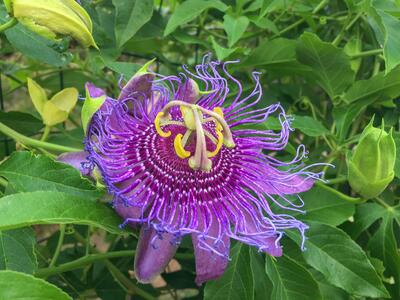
[[309, 126], [131, 15], [14, 285], [237, 282], [330, 65], [189, 10], [17, 250]]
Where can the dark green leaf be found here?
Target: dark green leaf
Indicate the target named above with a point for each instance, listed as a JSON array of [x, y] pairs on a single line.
[[189, 10], [343, 263], [237, 282], [131, 15], [14, 285], [309, 126], [330, 65], [17, 250], [262, 285], [21, 122], [397, 163], [291, 280], [24, 209], [27, 172]]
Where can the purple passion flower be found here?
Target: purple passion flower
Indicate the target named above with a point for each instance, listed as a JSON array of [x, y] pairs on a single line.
[[179, 161]]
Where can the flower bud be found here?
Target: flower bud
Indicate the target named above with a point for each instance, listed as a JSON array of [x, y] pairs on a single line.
[[55, 110], [371, 167], [54, 18]]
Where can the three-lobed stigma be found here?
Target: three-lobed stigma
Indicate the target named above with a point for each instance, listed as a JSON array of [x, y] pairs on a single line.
[[194, 120]]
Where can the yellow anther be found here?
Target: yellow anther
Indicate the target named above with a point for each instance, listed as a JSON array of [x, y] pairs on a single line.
[[179, 149], [219, 145], [218, 111], [157, 123]]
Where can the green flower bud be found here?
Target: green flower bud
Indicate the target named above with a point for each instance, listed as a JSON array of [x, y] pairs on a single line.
[[54, 18], [371, 167]]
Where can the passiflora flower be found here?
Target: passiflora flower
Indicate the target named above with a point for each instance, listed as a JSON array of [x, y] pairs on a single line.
[[179, 161], [371, 165], [53, 18]]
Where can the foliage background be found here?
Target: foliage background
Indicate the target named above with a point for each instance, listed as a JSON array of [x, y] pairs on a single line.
[[332, 64]]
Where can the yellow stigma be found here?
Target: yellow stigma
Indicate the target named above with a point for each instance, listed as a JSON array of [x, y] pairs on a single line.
[[218, 111], [218, 146], [198, 123], [179, 148], [157, 123]]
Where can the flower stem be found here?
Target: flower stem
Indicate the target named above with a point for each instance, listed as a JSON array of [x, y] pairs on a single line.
[[339, 194], [46, 133], [126, 282], [10, 23], [367, 53], [34, 143], [59, 245], [91, 258]]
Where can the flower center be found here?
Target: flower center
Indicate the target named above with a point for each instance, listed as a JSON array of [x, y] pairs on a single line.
[[195, 119]]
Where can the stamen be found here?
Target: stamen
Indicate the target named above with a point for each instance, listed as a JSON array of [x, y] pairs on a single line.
[[179, 147], [157, 123], [219, 145]]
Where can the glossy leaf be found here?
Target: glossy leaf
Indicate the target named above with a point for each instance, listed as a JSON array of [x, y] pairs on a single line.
[[291, 280], [41, 207], [27, 172], [343, 263]]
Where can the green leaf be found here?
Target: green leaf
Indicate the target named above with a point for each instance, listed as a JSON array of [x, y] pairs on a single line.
[[24, 209], [27, 172], [362, 94], [14, 285], [262, 285], [291, 280], [126, 69], [220, 51], [23, 123], [387, 32], [189, 10], [17, 250], [34, 46], [278, 54], [237, 282], [309, 126], [343, 263], [383, 244], [131, 15], [330, 65], [396, 137], [325, 207], [235, 28]]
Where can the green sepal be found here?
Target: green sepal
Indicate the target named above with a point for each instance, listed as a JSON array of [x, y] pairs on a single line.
[[90, 107]]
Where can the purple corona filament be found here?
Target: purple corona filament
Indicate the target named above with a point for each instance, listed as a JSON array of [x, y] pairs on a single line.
[[181, 162]]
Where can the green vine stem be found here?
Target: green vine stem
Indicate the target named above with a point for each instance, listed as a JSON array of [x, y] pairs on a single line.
[[59, 245], [10, 23], [46, 133], [91, 258], [34, 143]]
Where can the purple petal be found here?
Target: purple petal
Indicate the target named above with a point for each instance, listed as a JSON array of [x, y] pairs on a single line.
[[77, 160], [188, 92], [153, 253], [210, 265], [141, 83], [94, 91]]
